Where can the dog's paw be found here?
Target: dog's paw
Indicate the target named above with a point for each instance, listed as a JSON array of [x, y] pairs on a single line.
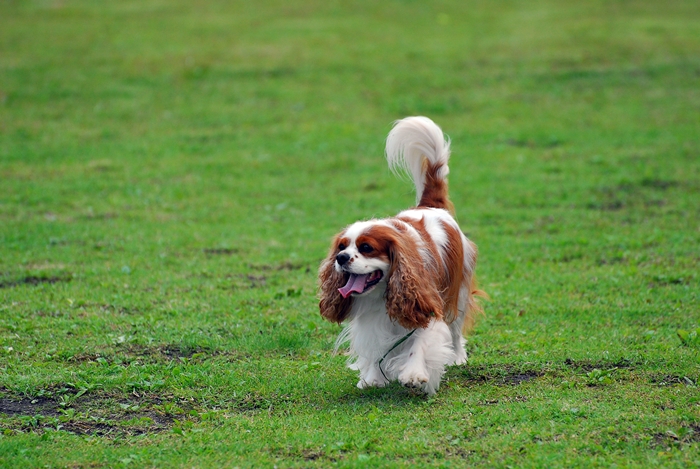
[[372, 383], [460, 358], [414, 378]]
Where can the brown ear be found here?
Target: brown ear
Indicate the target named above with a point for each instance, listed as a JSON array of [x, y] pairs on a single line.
[[333, 306], [412, 297]]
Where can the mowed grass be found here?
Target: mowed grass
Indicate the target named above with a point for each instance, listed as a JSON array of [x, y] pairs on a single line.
[[171, 174]]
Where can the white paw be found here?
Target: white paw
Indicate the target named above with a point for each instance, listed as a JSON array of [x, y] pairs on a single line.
[[413, 378], [460, 359], [372, 383]]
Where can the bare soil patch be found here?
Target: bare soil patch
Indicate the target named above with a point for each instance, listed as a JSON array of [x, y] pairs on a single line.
[[32, 280]]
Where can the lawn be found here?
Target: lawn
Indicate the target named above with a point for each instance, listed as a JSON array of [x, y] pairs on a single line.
[[171, 175]]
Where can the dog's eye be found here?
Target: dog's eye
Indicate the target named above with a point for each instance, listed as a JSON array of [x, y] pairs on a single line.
[[341, 247], [365, 248]]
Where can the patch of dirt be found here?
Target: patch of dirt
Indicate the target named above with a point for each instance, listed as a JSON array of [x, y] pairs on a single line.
[[175, 351], [628, 194], [658, 183], [89, 428], [671, 380], [612, 260], [116, 309], [531, 143], [126, 353], [99, 216], [28, 406], [253, 281], [283, 266], [675, 439], [312, 455], [99, 413], [256, 281], [520, 377], [220, 251], [159, 353], [307, 454], [241, 281], [84, 357], [33, 280], [457, 452], [588, 365], [505, 400], [113, 428], [611, 204], [668, 280]]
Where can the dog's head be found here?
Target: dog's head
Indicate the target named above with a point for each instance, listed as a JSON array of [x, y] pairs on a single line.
[[378, 255]]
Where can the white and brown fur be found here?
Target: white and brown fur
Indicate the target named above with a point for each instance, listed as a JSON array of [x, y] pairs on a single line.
[[426, 270]]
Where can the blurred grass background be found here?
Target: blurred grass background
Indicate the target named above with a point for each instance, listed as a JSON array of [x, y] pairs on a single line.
[[171, 174]]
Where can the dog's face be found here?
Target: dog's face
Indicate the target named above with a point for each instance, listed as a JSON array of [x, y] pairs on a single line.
[[383, 257], [363, 256]]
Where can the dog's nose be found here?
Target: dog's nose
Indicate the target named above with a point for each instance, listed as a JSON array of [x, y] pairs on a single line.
[[342, 258]]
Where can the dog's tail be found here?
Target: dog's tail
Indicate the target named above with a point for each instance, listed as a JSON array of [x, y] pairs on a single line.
[[417, 146]]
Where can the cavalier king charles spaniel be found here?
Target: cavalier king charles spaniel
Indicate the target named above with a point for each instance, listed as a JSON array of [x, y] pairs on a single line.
[[405, 285]]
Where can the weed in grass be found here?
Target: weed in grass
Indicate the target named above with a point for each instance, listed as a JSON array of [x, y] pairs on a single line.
[[597, 377], [689, 338]]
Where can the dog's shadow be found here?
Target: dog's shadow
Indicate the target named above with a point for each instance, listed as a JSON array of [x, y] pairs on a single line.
[[391, 394]]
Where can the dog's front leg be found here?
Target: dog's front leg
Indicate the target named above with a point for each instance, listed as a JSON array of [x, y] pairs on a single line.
[[426, 358], [371, 377], [414, 373]]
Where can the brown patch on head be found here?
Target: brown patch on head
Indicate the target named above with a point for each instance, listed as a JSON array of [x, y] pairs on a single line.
[[379, 239], [332, 305], [344, 241], [435, 190]]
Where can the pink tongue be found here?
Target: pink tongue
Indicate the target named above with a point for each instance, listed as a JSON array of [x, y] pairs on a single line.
[[356, 283]]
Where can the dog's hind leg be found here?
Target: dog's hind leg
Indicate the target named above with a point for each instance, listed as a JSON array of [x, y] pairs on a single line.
[[457, 327]]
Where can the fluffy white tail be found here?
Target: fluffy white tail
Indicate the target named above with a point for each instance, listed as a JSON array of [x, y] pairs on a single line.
[[416, 145]]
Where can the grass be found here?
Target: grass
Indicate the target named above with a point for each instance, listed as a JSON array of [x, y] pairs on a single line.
[[171, 175]]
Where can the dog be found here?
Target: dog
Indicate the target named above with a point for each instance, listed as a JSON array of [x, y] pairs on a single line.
[[405, 286]]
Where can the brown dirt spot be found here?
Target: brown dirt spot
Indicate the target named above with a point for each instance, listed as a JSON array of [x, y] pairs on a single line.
[[312, 455], [675, 439], [457, 452], [33, 280], [100, 414], [220, 251], [28, 406], [588, 365], [127, 353], [283, 266], [505, 399], [670, 380]]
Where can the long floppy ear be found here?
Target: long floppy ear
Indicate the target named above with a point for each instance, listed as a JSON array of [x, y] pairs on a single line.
[[333, 306], [412, 297]]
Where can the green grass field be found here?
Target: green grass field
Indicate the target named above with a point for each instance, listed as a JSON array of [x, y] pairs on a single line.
[[171, 174]]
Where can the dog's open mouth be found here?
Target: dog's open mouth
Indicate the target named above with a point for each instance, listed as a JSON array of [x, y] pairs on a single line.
[[361, 283]]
